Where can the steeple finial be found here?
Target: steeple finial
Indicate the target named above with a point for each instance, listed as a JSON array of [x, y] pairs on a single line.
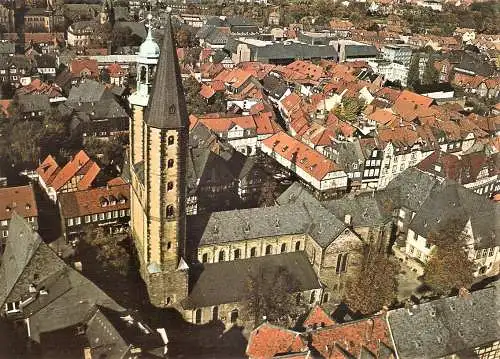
[[150, 27]]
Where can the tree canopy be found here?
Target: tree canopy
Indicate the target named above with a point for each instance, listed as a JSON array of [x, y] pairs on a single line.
[[111, 253], [449, 267], [270, 294], [375, 285]]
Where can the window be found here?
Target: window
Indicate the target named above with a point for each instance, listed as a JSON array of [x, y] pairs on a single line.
[[115, 214], [253, 252], [12, 307], [4, 223], [234, 315], [70, 222], [283, 248], [325, 298], [94, 218], [222, 256], [170, 211], [169, 245], [170, 163], [170, 140], [197, 316], [215, 313], [78, 220], [490, 253], [269, 249], [237, 254], [341, 263], [297, 246], [402, 213], [108, 215], [87, 219], [5, 233], [485, 251], [312, 298], [101, 216], [170, 186], [204, 258]]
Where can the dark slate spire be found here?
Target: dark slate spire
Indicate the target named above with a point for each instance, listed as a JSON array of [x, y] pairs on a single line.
[[167, 106]]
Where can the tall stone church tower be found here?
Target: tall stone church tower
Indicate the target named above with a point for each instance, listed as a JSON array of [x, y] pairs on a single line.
[[158, 148]]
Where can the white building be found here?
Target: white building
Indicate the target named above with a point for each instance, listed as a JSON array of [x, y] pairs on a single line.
[[391, 71], [397, 53]]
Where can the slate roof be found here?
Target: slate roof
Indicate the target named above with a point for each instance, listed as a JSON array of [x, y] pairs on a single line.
[[226, 282], [27, 262], [274, 86], [365, 210], [87, 91], [34, 103], [7, 48], [446, 326], [298, 218], [167, 106], [412, 187], [451, 203]]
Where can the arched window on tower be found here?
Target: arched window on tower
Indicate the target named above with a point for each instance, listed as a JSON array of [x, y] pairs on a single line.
[[222, 256], [297, 246], [143, 74], [170, 186], [234, 315], [253, 252], [197, 316], [269, 249], [283, 248], [170, 140], [341, 263], [215, 313], [170, 163], [169, 211], [204, 258], [237, 254]]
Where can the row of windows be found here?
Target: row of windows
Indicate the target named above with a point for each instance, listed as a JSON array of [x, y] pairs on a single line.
[[198, 317], [97, 217], [416, 253], [485, 252], [253, 252]]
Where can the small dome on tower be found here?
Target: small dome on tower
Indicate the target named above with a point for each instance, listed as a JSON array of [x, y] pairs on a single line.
[[149, 48]]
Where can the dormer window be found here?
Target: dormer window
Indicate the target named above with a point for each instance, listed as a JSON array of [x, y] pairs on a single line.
[[284, 148], [246, 229], [103, 201], [112, 200], [28, 206]]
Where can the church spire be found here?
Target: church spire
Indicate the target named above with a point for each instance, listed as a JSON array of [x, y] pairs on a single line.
[[167, 106]]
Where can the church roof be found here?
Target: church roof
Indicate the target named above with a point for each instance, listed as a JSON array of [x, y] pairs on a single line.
[[167, 106]]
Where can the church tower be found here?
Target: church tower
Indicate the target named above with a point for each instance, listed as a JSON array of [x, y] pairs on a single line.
[[158, 148]]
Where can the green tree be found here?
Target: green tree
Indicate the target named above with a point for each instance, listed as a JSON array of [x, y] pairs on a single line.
[[449, 267], [431, 74], [375, 285], [413, 70], [111, 252], [271, 294], [349, 109]]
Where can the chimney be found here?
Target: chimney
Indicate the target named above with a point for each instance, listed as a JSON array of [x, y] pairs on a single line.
[[348, 219]]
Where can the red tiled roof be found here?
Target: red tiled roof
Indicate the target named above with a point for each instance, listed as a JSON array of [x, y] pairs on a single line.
[[4, 107], [317, 317], [80, 165], [88, 202], [20, 199], [399, 136], [265, 123], [115, 70], [206, 91], [223, 122], [351, 337], [409, 102], [308, 159], [384, 117], [268, 340], [291, 101], [78, 65], [38, 87]]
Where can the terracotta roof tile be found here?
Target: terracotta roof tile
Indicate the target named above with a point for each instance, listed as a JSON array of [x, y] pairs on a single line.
[[352, 337], [206, 91], [308, 159], [78, 65], [82, 203], [268, 340], [317, 317], [20, 199]]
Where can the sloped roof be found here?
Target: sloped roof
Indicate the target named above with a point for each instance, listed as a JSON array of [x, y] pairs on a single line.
[[226, 282], [167, 106], [267, 340], [20, 199], [446, 326]]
